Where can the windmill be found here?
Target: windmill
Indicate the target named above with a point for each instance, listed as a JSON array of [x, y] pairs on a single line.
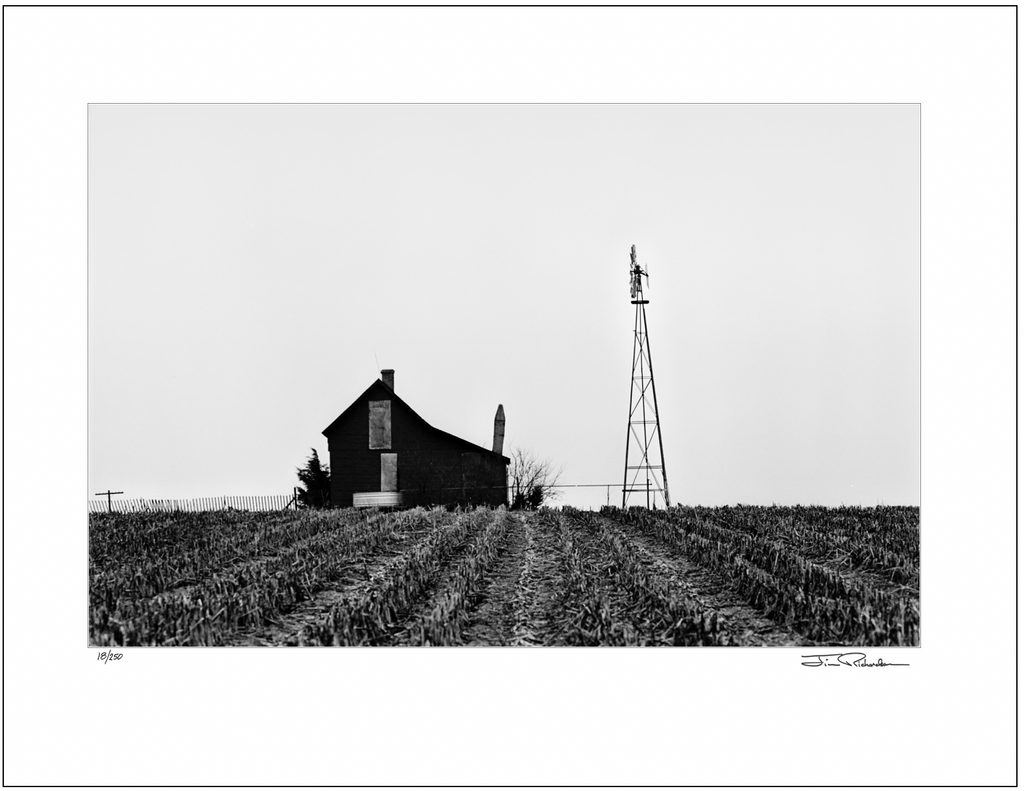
[[646, 476]]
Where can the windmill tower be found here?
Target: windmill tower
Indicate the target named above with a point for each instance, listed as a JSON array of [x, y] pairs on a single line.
[[644, 479]]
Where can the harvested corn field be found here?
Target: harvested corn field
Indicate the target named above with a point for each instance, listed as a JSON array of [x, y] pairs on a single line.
[[736, 576]]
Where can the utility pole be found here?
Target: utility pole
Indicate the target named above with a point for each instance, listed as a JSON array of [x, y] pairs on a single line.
[[110, 506]]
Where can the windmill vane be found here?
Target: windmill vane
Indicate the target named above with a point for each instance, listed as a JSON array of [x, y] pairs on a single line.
[[635, 272]]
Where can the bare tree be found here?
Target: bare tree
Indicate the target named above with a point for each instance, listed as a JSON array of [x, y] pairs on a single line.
[[531, 480]]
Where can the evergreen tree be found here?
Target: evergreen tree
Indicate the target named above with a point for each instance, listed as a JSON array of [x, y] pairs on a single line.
[[315, 477]]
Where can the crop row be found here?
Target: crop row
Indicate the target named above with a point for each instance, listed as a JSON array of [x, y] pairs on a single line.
[[371, 617], [650, 610], [147, 577], [884, 539], [587, 608], [245, 595], [817, 601], [125, 538], [443, 624], [207, 543]]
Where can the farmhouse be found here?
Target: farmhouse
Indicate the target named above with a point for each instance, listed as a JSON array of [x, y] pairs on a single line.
[[384, 454]]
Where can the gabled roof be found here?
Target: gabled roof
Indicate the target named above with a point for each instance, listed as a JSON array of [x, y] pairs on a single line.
[[379, 385]]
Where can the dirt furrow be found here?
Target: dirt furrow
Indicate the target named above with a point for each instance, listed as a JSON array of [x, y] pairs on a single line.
[[518, 603], [493, 617], [526, 620], [540, 618]]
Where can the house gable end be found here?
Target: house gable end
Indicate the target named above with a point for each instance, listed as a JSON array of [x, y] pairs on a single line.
[[378, 391]]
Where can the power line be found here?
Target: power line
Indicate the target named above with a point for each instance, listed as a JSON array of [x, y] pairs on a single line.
[[579, 485]]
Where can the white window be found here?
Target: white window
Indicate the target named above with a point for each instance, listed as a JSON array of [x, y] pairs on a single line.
[[380, 425], [389, 472]]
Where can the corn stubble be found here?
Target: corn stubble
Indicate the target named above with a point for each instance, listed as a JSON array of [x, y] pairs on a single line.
[[827, 576]]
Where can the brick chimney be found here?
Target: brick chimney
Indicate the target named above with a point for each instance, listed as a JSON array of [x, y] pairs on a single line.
[[499, 429], [387, 376]]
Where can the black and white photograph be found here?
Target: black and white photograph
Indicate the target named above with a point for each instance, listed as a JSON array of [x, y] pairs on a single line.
[[413, 348], [526, 396]]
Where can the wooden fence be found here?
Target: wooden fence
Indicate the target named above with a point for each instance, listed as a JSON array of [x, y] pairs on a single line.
[[266, 502]]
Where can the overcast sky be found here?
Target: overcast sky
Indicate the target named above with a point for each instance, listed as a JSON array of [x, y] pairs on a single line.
[[253, 267]]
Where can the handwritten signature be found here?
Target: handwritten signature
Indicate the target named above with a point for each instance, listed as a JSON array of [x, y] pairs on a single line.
[[850, 659]]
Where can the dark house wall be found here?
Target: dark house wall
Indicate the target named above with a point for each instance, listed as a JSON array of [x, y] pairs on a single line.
[[433, 467]]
